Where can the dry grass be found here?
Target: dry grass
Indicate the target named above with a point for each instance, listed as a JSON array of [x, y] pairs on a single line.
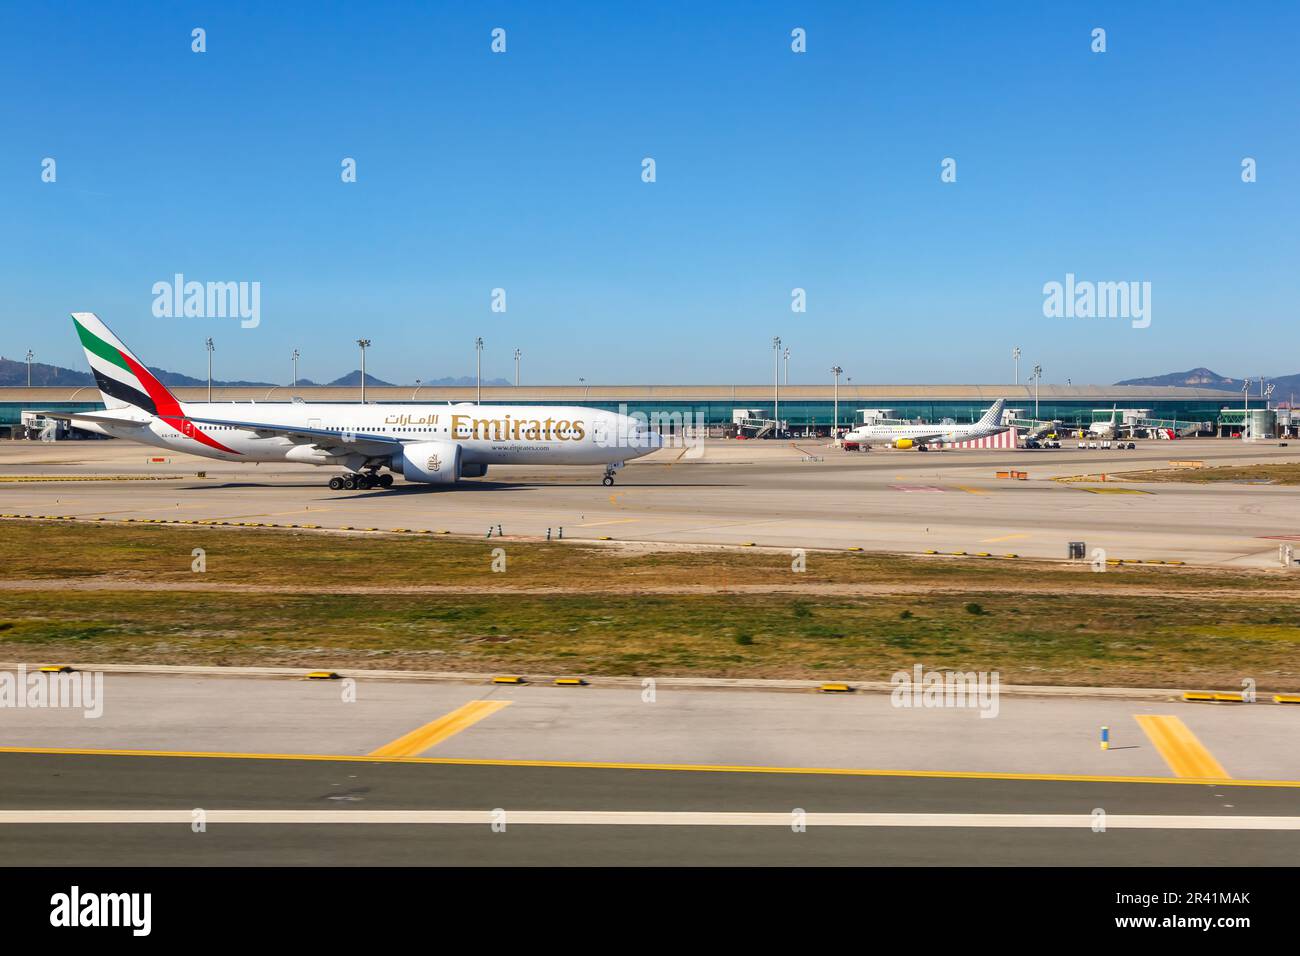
[[1203, 629]]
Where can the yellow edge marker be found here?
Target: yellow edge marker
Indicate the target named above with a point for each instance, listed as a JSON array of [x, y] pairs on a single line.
[[835, 689], [570, 682], [507, 679], [322, 675], [1286, 698]]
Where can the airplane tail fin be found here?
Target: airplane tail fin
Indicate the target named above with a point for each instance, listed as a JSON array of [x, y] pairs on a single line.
[[994, 415], [123, 379]]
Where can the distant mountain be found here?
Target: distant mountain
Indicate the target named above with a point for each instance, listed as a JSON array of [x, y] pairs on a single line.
[[461, 382], [179, 380], [354, 378], [1284, 386], [14, 372], [1194, 378]]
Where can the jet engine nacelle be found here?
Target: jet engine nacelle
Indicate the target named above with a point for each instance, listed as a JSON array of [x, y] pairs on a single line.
[[473, 470], [904, 443], [431, 462]]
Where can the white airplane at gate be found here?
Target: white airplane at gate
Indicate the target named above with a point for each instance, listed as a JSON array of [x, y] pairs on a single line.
[[920, 435], [430, 444]]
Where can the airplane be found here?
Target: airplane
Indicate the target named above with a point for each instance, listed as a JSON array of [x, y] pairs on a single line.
[[428, 444], [1111, 428], [921, 435]]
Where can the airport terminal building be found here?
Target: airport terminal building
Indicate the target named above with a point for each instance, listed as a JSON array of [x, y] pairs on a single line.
[[802, 407]]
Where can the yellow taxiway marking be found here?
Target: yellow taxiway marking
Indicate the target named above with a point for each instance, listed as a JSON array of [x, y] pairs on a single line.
[[973, 491], [1114, 491], [1005, 537], [592, 524], [1186, 756], [707, 768], [436, 731]]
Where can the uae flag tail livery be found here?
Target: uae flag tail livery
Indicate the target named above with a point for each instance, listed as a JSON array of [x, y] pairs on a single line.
[[124, 382]]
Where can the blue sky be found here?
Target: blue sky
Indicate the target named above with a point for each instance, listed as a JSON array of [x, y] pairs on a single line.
[[775, 170]]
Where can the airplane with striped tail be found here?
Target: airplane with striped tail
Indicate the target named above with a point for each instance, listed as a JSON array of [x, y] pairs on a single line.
[[428, 444], [921, 435]]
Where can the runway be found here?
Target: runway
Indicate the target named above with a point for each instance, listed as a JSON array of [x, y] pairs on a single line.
[[778, 494], [185, 785], [691, 776]]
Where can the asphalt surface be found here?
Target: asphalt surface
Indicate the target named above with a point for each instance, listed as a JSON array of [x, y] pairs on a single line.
[[185, 783], [680, 725], [781, 494]]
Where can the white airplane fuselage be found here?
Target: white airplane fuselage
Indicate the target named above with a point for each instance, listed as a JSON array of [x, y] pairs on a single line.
[[486, 434], [923, 433]]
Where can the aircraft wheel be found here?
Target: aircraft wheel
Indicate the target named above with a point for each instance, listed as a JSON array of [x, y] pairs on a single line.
[[336, 483], [365, 482], [385, 481], [607, 480], [349, 483]]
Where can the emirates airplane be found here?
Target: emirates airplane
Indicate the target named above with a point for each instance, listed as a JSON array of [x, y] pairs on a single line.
[[431, 444], [908, 435]]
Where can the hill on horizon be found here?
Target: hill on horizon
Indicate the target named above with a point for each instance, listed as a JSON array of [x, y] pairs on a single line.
[[1284, 385], [14, 373]]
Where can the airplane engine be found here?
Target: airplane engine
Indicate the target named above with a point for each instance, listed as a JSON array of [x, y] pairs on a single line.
[[431, 462], [904, 443], [474, 470]]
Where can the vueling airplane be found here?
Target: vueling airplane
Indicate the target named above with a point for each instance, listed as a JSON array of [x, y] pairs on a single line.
[[432, 444], [909, 435]]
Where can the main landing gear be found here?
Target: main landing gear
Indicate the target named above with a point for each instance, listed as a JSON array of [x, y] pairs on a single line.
[[609, 473], [361, 482]]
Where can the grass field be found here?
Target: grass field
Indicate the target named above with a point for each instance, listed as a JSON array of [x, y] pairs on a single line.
[[96, 593], [1287, 473]]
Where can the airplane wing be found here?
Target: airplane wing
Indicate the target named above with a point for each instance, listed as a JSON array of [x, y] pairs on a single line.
[[91, 417], [323, 438]]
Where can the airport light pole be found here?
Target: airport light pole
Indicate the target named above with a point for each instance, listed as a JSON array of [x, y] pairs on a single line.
[[786, 358], [364, 344], [517, 354], [207, 343], [1245, 409], [478, 371], [30, 355], [776, 381], [835, 422], [1015, 356], [1038, 377], [295, 367]]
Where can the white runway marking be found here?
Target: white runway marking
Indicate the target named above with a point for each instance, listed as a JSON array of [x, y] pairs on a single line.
[[1031, 821]]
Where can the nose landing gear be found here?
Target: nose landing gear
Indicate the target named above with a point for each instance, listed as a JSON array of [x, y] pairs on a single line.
[[609, 473]]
